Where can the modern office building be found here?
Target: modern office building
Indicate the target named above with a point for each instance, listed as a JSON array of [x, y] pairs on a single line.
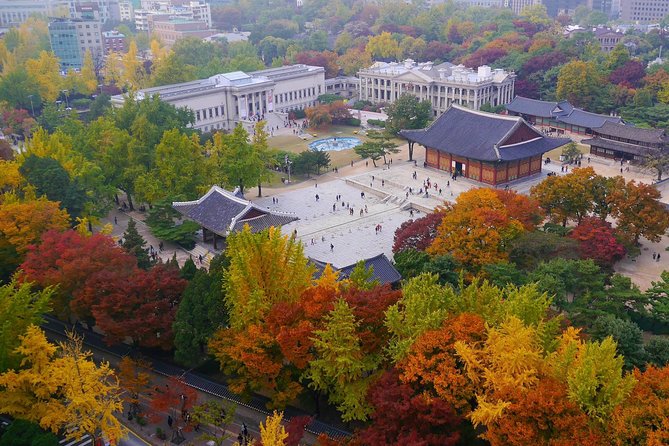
[[15, 12], [517, 6], [441, 85], [198, 11], [108, 10], [222, 101], [71, 38], [644, 11], [113, 42], [169, 30], [126, 11]]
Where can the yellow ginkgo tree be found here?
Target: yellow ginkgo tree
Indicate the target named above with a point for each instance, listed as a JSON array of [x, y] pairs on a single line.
[[62, 389]]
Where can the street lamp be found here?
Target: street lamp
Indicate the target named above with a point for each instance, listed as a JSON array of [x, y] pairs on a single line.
[[288, 163], [31, 104]]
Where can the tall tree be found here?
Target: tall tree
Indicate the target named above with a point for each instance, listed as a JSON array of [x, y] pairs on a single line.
[[403, 416], [20, 307], [580, 83], [134, 377], [252, 290], [24, 221], [61, 388], [568, 196], [642, 419], [417, 234], [141, 307], [69, 260], [134, 244], [341, 367], [46, 71], [638, 211], [476, 229], [235, 161], [200, 313], [272, 432], [407, 112]]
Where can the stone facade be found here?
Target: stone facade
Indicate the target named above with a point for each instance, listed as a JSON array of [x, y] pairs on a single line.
[[441, 85], [222, 101]]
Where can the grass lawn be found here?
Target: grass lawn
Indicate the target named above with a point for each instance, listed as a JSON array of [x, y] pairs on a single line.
[[293, 143], [555, 153]]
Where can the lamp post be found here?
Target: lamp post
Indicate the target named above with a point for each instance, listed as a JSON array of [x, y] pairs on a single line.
[[288, 163], [31, 104]]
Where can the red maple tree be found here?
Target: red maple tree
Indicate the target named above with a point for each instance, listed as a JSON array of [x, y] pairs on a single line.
[[417, 234], [597, 241]]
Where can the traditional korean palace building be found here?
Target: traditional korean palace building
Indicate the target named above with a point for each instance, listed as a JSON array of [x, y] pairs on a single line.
[[220, 212], [558, 116], [493, 149], [382, 269], [627, 142]]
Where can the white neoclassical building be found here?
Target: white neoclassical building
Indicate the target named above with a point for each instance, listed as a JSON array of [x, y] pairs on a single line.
[[224, 100], [442, 84]]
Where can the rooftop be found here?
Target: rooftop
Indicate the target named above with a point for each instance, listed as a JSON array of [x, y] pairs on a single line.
[[459, 131], [445, 71], [223, 212], [652, 136], [383, 269], [561, 111]]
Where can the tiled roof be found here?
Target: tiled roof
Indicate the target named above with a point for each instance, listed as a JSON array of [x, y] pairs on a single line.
[[383, 269], [222, 212], [561, 111], [653, 136], [586, 119], [480, 135], [619, 146]]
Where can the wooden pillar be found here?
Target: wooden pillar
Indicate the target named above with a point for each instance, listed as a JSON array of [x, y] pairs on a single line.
[[481, 171], [438, 159]]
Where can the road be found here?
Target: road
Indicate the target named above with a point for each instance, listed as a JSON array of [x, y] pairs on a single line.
[[132, 440]]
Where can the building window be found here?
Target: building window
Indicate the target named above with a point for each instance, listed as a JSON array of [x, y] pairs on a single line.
[[197, 115]]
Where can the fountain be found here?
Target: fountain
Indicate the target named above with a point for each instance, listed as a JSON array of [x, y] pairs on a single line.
[[335, 143]]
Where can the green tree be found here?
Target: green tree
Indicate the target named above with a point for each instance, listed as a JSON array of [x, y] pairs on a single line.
[[219, 416], [25, 433], [423, 306], [166, 224], [571, 152], [134, 244], [384, 142], [19, 308], [20, 90], [201, 312], [52, 180], [341, 368], [580, 83], [236, 162], [407, 112], [171, 70], [628, 337], [371, 150], [177, 171]]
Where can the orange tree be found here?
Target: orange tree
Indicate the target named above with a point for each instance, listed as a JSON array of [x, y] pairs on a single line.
[[566, 197], [644, 418], [476, 229], [638, 211]]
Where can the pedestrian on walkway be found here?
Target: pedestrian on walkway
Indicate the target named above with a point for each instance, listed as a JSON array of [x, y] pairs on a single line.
[[331, 247], [115, 220], [654, 255], [658, 257], [170, 421], [200, 258]]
